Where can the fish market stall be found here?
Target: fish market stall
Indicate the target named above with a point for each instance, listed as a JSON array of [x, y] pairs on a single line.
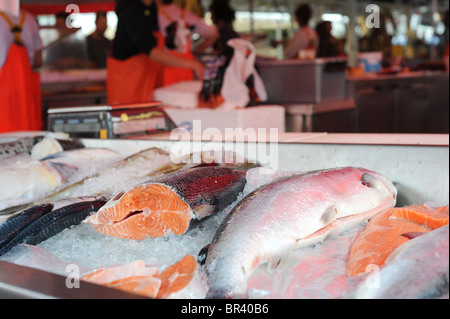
[[410, 170]]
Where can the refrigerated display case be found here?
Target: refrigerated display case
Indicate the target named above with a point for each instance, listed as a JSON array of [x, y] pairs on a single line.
[[418, 165]]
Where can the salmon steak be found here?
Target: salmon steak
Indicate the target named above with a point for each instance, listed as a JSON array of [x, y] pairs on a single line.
[[169, 203], [390, 229]]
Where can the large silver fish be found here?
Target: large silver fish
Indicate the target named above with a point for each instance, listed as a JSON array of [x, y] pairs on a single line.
[[111, 180], [49, 146], [38, 147], [267, 225], [418, 269], [31, 180]]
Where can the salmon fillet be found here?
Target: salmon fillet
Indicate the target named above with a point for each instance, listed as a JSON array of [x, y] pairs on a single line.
[[183, 280], [134, 278], [140, 285], [387, 230]]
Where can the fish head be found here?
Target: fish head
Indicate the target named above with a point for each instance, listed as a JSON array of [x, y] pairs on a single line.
[[227, 279]]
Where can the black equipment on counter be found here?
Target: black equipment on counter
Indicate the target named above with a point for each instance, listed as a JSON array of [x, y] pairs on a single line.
[[107, 122]]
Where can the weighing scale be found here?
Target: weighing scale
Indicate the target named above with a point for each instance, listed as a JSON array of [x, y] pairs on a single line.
[[108, 122]]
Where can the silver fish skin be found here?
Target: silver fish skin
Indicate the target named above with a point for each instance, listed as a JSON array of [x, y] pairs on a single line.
[[31, 180], [69, 163], [19, 146], [131, 171], [418, 269], [38, 145], [49, 145], [267, 225]]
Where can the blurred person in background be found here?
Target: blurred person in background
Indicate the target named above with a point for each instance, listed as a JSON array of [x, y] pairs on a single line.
[[306, 37], [177, 25], [329, 46], [98, 45], [69, 50], [138, 54], [20, 90], [223, 16]]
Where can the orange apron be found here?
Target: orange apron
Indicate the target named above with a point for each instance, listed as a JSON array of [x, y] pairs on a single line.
[[172, 75], [133, 80], [20, 92]]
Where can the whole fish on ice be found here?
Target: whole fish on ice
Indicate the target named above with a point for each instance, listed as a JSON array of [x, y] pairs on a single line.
[[38, 147], [19, 146], [42, 222], [418, 269], [31, 180], [49, 146], [124, 174], [141, 167], [167, 204], [268, 224], [11, 226]]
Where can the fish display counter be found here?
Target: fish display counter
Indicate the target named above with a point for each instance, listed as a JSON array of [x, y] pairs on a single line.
[[293, 217]]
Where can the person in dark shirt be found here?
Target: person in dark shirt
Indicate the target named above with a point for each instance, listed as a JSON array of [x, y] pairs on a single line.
[[136, 25], [223, 17], [137, 22], [98, 45], [138, 54]]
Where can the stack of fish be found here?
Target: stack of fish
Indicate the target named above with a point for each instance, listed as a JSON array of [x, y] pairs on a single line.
[[46, 185], [39, 147], [27, 180], [147, 196], [267, 225], [33, 168]]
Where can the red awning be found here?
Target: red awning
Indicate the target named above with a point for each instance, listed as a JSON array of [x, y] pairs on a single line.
[[55, 6]]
